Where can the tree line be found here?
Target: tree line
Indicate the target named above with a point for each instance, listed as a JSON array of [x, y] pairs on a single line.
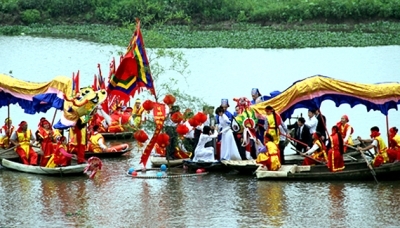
[[186, 12]]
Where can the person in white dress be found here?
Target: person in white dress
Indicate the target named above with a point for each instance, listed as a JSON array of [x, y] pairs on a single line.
[[202, 153], [229, 150]]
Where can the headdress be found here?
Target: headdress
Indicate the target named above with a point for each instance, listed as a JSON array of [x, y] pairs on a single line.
[[224, 102]]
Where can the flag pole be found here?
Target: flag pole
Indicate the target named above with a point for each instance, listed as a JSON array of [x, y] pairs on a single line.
[[387, 127]]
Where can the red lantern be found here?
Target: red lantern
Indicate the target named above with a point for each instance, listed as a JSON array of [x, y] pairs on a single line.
[[177, 117], [182, 129], [148, 105], [141, 136], [163, 140], [193, 122], [201, 117], [169, 99]]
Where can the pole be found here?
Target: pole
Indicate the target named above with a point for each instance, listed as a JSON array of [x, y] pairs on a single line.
[[387, 128], [54, 117]]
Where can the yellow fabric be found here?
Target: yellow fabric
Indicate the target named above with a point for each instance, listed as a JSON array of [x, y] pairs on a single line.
[[25, 142], [396, 138], [61, 83], [50, 163], [382, 148], [272, 154], [317, 154], [372, 92], [94, 139], [271, 128]]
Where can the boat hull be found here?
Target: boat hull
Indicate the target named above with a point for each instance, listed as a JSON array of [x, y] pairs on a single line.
[[352, 171], [207, 166], [107, 154], [158, 161], [68, 170]]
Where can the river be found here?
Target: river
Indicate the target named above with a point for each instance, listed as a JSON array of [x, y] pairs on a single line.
[[113, 199]]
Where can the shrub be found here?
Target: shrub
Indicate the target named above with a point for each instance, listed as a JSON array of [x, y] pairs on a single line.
[[30, 16]]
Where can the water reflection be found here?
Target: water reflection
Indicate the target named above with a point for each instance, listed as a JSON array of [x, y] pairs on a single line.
[[337, 197], [271, 198]]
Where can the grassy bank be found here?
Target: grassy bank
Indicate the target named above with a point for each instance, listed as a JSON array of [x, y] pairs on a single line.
[[227, 35]]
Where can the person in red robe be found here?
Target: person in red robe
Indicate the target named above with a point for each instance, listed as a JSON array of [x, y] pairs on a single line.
[[45, 137], [77, 144], [336, 151], [23, 139], [346, 131], [394, 145], [60, 157], [116, 125]]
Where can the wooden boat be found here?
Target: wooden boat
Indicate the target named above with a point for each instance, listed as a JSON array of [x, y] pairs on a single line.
[[68, 170], [158, 161], [352, 171], [89, 154], [207, 166], [8, 154], [250, 166], [118, 135]]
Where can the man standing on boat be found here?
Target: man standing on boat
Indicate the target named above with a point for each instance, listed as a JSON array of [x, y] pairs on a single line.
[[5, 132], [272, 123], [170, 129], [137, 113], [23, 139], [346, 131], [321, 126], [301, 133], [312, 124]]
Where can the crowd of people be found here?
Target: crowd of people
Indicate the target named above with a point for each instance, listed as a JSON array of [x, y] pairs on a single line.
[[210, 140]]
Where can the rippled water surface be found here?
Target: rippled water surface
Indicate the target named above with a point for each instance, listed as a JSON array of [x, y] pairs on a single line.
[[114, 199]]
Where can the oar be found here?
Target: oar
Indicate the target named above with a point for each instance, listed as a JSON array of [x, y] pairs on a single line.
[[369, 166], [305, 155], [9, 149], [295, 140], [354, 148]]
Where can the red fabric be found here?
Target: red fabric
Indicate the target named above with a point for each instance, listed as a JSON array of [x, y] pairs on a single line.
[[375, 134], [335, 158], [32, 156], [346, 118], [278, 119], [47, 146], [78, 149], [378, 161], [61, 157], [309, 161], [393, 154]]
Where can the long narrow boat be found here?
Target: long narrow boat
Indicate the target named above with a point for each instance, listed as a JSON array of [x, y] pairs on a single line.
[[68, 170], [158, 161], [216, 166], [352, 171], [107, 154], [118, 135], [8, 154]]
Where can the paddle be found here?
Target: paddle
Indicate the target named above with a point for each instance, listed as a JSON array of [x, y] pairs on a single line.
[[369, 166], [9, 149], [305, 155], [354, 148]]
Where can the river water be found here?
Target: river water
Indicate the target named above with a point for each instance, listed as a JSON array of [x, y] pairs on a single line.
[[113, 199]]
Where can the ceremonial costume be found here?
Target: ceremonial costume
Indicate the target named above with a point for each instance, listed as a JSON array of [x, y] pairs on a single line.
[[60, 157], [229, 150], [5, 132], [97, 143], [317, 151], [205, 153], [78, 142], [346, 131], [394, 145], [23, 136], [380, 148], [116, 125], [46, 139], [269, 158], [272, 123], [335, 154]]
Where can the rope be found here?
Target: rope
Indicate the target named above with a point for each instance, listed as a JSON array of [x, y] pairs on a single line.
[[168, 176]]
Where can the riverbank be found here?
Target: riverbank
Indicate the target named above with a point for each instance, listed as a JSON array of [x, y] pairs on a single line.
[[226, 35]]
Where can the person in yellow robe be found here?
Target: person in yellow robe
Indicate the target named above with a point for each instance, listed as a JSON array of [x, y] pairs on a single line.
[[272, 123], [269, 158], [137, 113], [97, 141], [5, 132], [379, 146]]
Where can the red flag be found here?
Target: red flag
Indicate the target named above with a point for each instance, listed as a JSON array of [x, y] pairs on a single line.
[[95, 84], [77, 83]]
